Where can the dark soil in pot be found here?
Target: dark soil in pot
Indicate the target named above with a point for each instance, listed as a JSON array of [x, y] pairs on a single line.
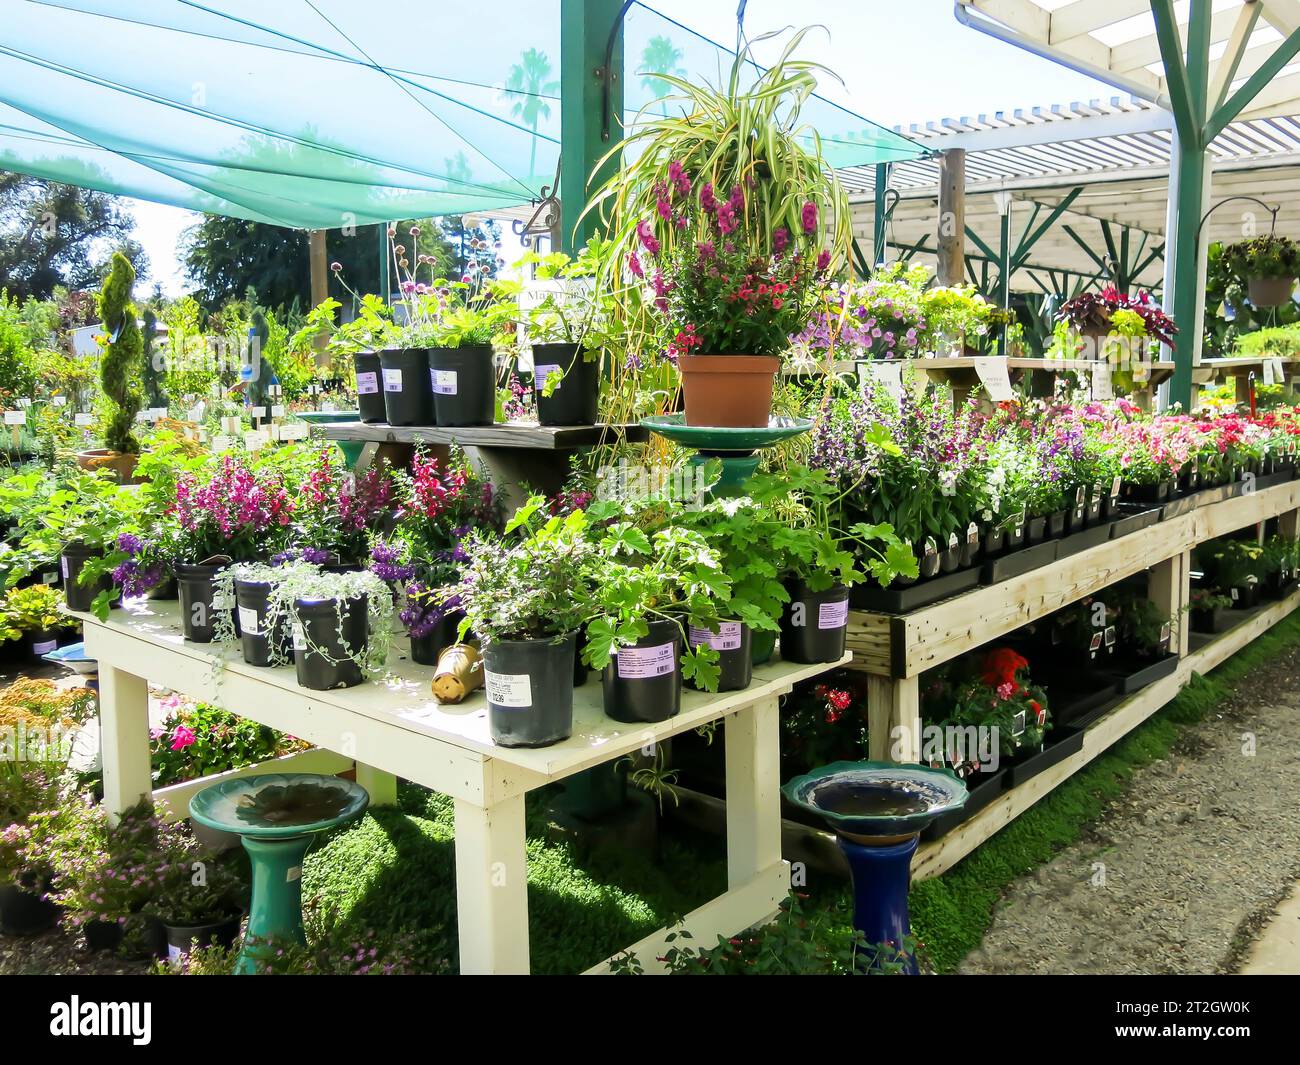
[[814, 624], [370, 394], [181, 939], [643, 682], [256, 641], [80, 596], [464, 385], [408, 399], [574, 401], [529, 689], [735, 646], [328, 638], [199, 602]]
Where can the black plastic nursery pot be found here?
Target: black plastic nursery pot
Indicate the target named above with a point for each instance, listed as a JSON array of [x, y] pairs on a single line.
[[643, 682], [814, 624], [1036, 529], [43, 641], [74, 558], [102, 935], [328, 639], [950, 556], [1213, 620], [370, 390], [464, 385], [529, 689], [574, 400], [24, 912], [404, 378], [181, 939], [763, 644], [735, 646], [259, 644], [426, 649], [994, 541], [1056, 523], [1145, 493], [199, 601]]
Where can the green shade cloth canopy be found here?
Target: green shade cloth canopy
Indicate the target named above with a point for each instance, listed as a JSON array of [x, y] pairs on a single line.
[[319, 114]]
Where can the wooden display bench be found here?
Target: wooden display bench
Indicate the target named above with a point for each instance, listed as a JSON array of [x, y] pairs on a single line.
[[1238, 371], [894, 650], [513, 454], [394, 728]]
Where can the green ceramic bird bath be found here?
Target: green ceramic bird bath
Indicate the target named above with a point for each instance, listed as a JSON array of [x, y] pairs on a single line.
[[351, 448], [276, 817], [735, 447]]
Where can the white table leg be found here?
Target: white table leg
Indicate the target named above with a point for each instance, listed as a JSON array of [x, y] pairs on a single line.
[[124, 739], [753, 792], [492, 888], [381, 786]]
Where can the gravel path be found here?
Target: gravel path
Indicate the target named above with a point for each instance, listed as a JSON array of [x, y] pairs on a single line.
[[1181, 873]]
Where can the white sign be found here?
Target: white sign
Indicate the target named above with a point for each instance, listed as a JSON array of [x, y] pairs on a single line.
[[889, 375], [15, 417], [1103, 387], [257, 412], [993, 375], [84, 418], [277, 410], [1270, 372]]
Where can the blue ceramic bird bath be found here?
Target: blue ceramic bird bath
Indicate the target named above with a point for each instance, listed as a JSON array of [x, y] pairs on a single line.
[[277, 816], [877, 810]]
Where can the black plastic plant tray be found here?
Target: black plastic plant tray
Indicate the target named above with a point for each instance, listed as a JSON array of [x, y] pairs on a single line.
[[997, 570], [1133, 518], [1080, 724], [1069, 743], [1067, 709], [1268, 480], [1182, 505], [991, 785], [909, 598], [1081, 541], [1129, 682]]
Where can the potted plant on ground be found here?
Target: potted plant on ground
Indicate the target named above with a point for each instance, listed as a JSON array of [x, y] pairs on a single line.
[[340, 624], [720, 213], [25, 788], [119, 373], [1268, 264], [525, 596], [199, 899]]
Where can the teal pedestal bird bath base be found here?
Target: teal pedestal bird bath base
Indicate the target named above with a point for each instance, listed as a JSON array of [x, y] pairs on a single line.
[[877, 810], [736, 447], [276, 817]]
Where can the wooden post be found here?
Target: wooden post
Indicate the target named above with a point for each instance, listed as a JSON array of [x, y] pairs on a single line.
[[317, 257], [753, 795], [894, 719], [1169, 587], [952, 216], [492, 888], [124, 739]]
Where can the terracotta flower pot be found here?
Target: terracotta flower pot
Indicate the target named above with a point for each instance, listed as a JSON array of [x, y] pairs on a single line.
[[728, 390], [1269, 291], [122, 463]]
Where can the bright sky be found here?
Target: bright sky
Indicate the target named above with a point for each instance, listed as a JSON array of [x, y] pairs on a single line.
[[901, 62]]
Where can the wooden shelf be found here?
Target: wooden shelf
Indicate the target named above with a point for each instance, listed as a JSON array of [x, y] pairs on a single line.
[[527, 435], [904, 645]]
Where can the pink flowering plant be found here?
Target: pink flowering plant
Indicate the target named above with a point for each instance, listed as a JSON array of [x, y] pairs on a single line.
[[337, 513], [197, 740], [233, 508]]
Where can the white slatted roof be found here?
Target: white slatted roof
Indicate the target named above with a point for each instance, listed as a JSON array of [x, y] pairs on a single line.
[[1116, 149]]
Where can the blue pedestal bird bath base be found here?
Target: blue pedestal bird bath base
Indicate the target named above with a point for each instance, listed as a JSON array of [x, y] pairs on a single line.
[[877, 810], [276, 816]]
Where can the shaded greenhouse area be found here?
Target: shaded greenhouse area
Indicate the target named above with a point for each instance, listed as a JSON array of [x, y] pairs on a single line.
[[600, 504]]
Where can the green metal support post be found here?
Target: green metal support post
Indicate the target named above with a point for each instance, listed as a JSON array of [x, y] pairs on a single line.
[[881, 219], [589, 125]]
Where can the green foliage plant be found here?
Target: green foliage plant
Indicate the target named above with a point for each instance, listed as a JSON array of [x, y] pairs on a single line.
[[119, 366]]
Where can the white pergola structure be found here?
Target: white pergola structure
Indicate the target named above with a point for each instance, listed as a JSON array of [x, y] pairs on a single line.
[[1060, 198], [1206, 62]]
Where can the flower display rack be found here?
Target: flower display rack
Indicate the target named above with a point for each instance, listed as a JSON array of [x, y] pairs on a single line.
[[395, 727]]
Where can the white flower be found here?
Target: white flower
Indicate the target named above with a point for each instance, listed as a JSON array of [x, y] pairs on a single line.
[[948, 483]]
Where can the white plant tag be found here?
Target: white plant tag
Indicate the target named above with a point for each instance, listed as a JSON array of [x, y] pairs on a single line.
[[444, 382], [889, 375], [1103, 386], [15, 417], [277, 410], [508, 689], [248, 622], [993, 375], [257, 412], [1270, 372], [83, 418], [540, 374], [392, 380]]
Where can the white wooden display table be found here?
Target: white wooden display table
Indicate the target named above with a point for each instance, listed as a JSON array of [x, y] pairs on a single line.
[[396, 728]]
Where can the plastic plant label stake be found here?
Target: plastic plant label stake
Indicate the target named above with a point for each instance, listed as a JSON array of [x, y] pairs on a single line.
[[508, 689], [1103, 386], [833, 615], [636, 663], [994, 376], [59, 401], [15, 417], [257, 412], [1279, 371], [277, 410], [727, 638]]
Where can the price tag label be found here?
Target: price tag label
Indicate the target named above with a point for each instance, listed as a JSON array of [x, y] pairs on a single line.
[[994, 376]]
